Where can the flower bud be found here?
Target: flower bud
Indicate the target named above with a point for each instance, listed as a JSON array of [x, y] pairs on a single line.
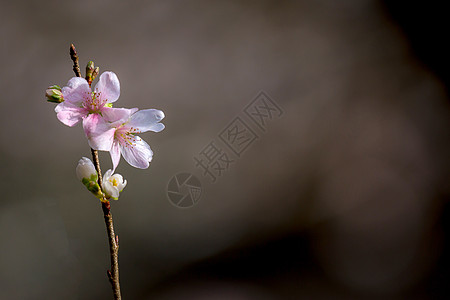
[[54, 94], [86, 169], [113, 184], [87, 174], [95, 73], [91, 72], [89, 68]]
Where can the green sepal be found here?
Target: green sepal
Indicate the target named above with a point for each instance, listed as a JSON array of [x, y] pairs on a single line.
[[54, 99], [85, 181], [95, 189], [55, 87], [92, 185]]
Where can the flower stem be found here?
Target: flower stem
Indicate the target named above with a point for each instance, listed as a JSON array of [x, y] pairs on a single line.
[[113, 239]]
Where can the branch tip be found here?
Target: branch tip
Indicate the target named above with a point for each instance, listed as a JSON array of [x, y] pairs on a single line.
[[73, 51], [74, 57]]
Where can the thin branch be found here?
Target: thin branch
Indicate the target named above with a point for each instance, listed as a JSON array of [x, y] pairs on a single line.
[[74, 57], [113, 275], [113, 239], [97, 166]]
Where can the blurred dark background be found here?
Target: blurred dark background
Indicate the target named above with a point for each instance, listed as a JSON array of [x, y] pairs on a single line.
[[345, 196]]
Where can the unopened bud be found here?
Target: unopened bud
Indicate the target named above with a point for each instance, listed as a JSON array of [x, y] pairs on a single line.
[[91, 72], [95, 73], [87, 174], [89, 68], [54, 94], [86, 169]]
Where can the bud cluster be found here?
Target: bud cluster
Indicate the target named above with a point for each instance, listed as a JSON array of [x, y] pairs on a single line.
[[112, 184], [91, 72], [54, 94]]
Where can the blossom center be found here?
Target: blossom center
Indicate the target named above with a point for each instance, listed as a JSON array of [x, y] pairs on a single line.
[[93, 102], [126, 136]]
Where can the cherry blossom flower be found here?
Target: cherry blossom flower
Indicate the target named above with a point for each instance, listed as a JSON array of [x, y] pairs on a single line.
[[122, 135], [113, 184], [82, 104]]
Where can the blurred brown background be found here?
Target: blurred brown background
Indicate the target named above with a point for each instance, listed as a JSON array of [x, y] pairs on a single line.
[[344, 196]]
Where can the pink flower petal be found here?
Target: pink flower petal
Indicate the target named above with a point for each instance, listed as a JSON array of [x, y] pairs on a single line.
[[117, 116], [115, 155], [100, 136], [139, 155], [147, 119], [76, 91], [108, 86], [69, 114]]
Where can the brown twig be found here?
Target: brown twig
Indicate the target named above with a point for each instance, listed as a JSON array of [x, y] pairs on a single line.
[[97, 166], [113, 275], [113, 239], [74, 57]]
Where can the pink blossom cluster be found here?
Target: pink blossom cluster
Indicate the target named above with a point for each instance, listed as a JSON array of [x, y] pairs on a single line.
[[109, 129]]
